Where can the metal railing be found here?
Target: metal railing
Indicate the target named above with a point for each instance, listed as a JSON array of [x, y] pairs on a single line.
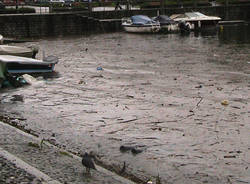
[[45, 6]]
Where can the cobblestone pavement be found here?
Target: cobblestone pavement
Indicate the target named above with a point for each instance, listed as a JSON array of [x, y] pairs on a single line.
[[10, 173], [43, 163]]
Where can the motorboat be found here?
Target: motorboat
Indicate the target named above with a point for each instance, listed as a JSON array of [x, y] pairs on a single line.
[[140, 24], [20, 65], [196, 20], [167, 24], [18, 51]]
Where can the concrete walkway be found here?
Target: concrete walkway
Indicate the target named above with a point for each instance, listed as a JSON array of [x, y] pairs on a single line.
[[45, 163], [112, 8], [44, 10]]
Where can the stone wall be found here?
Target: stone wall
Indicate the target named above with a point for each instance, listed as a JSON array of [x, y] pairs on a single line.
[[35, 25], [79, 23]]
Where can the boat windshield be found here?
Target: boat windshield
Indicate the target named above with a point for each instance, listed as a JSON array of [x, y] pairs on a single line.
[[141, 19]]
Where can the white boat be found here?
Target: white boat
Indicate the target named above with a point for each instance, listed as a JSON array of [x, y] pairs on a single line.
[[1, 39], [18, 51], [196, 20], [18, 65], [140, 24]]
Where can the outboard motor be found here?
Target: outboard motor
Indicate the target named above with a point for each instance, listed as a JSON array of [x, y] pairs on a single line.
[[184, 27]]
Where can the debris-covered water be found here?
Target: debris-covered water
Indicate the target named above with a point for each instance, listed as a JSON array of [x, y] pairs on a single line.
[[159, 94]]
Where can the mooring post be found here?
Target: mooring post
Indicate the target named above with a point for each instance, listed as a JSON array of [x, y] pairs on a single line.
[[227, 10], [127, 5], [195, 3], [16, 4], [90, 6], [162, 4]]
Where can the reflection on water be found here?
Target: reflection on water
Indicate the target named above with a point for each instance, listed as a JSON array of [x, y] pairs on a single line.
[[239, 34], [227, 44], [227, 34]]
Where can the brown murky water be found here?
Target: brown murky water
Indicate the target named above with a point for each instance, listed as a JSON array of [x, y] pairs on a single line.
[[159, 93]]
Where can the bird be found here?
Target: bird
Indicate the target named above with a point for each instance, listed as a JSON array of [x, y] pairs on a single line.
[[136, 151], [17, 98], [88, 162], [126, 148]]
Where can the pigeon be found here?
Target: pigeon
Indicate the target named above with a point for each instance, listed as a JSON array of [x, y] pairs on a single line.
[[136, 151], [126, 148], [88, 162]]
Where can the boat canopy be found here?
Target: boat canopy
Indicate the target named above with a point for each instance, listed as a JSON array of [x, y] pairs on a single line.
[[194, 14], [164, 19], [141, 19]]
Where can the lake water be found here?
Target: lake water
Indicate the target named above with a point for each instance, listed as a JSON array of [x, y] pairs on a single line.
[[159, 93]]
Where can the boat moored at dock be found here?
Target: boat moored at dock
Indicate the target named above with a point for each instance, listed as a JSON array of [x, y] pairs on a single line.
[[167, 24], [196, 20], [140, 24]]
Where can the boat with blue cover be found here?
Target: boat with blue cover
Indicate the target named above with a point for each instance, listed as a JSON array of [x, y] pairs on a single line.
[[140, 24]]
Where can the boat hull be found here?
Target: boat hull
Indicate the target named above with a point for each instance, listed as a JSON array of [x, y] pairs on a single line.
[[196, 20], [202, 24], [17, 68], [170, 28], [141, 29], [20, 65], [17, 51]]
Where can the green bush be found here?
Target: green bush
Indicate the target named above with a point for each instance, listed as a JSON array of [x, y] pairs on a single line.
[[15, 11], [8, 11], [26, 10], [77, 6]]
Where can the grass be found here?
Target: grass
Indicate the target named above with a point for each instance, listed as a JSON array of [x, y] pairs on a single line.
[[34, 145], [64, 153]]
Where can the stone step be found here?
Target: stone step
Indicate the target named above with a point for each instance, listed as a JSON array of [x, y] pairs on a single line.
[[47, 162]]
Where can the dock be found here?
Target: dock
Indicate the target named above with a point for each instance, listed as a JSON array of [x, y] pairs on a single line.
[[231, 22]]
